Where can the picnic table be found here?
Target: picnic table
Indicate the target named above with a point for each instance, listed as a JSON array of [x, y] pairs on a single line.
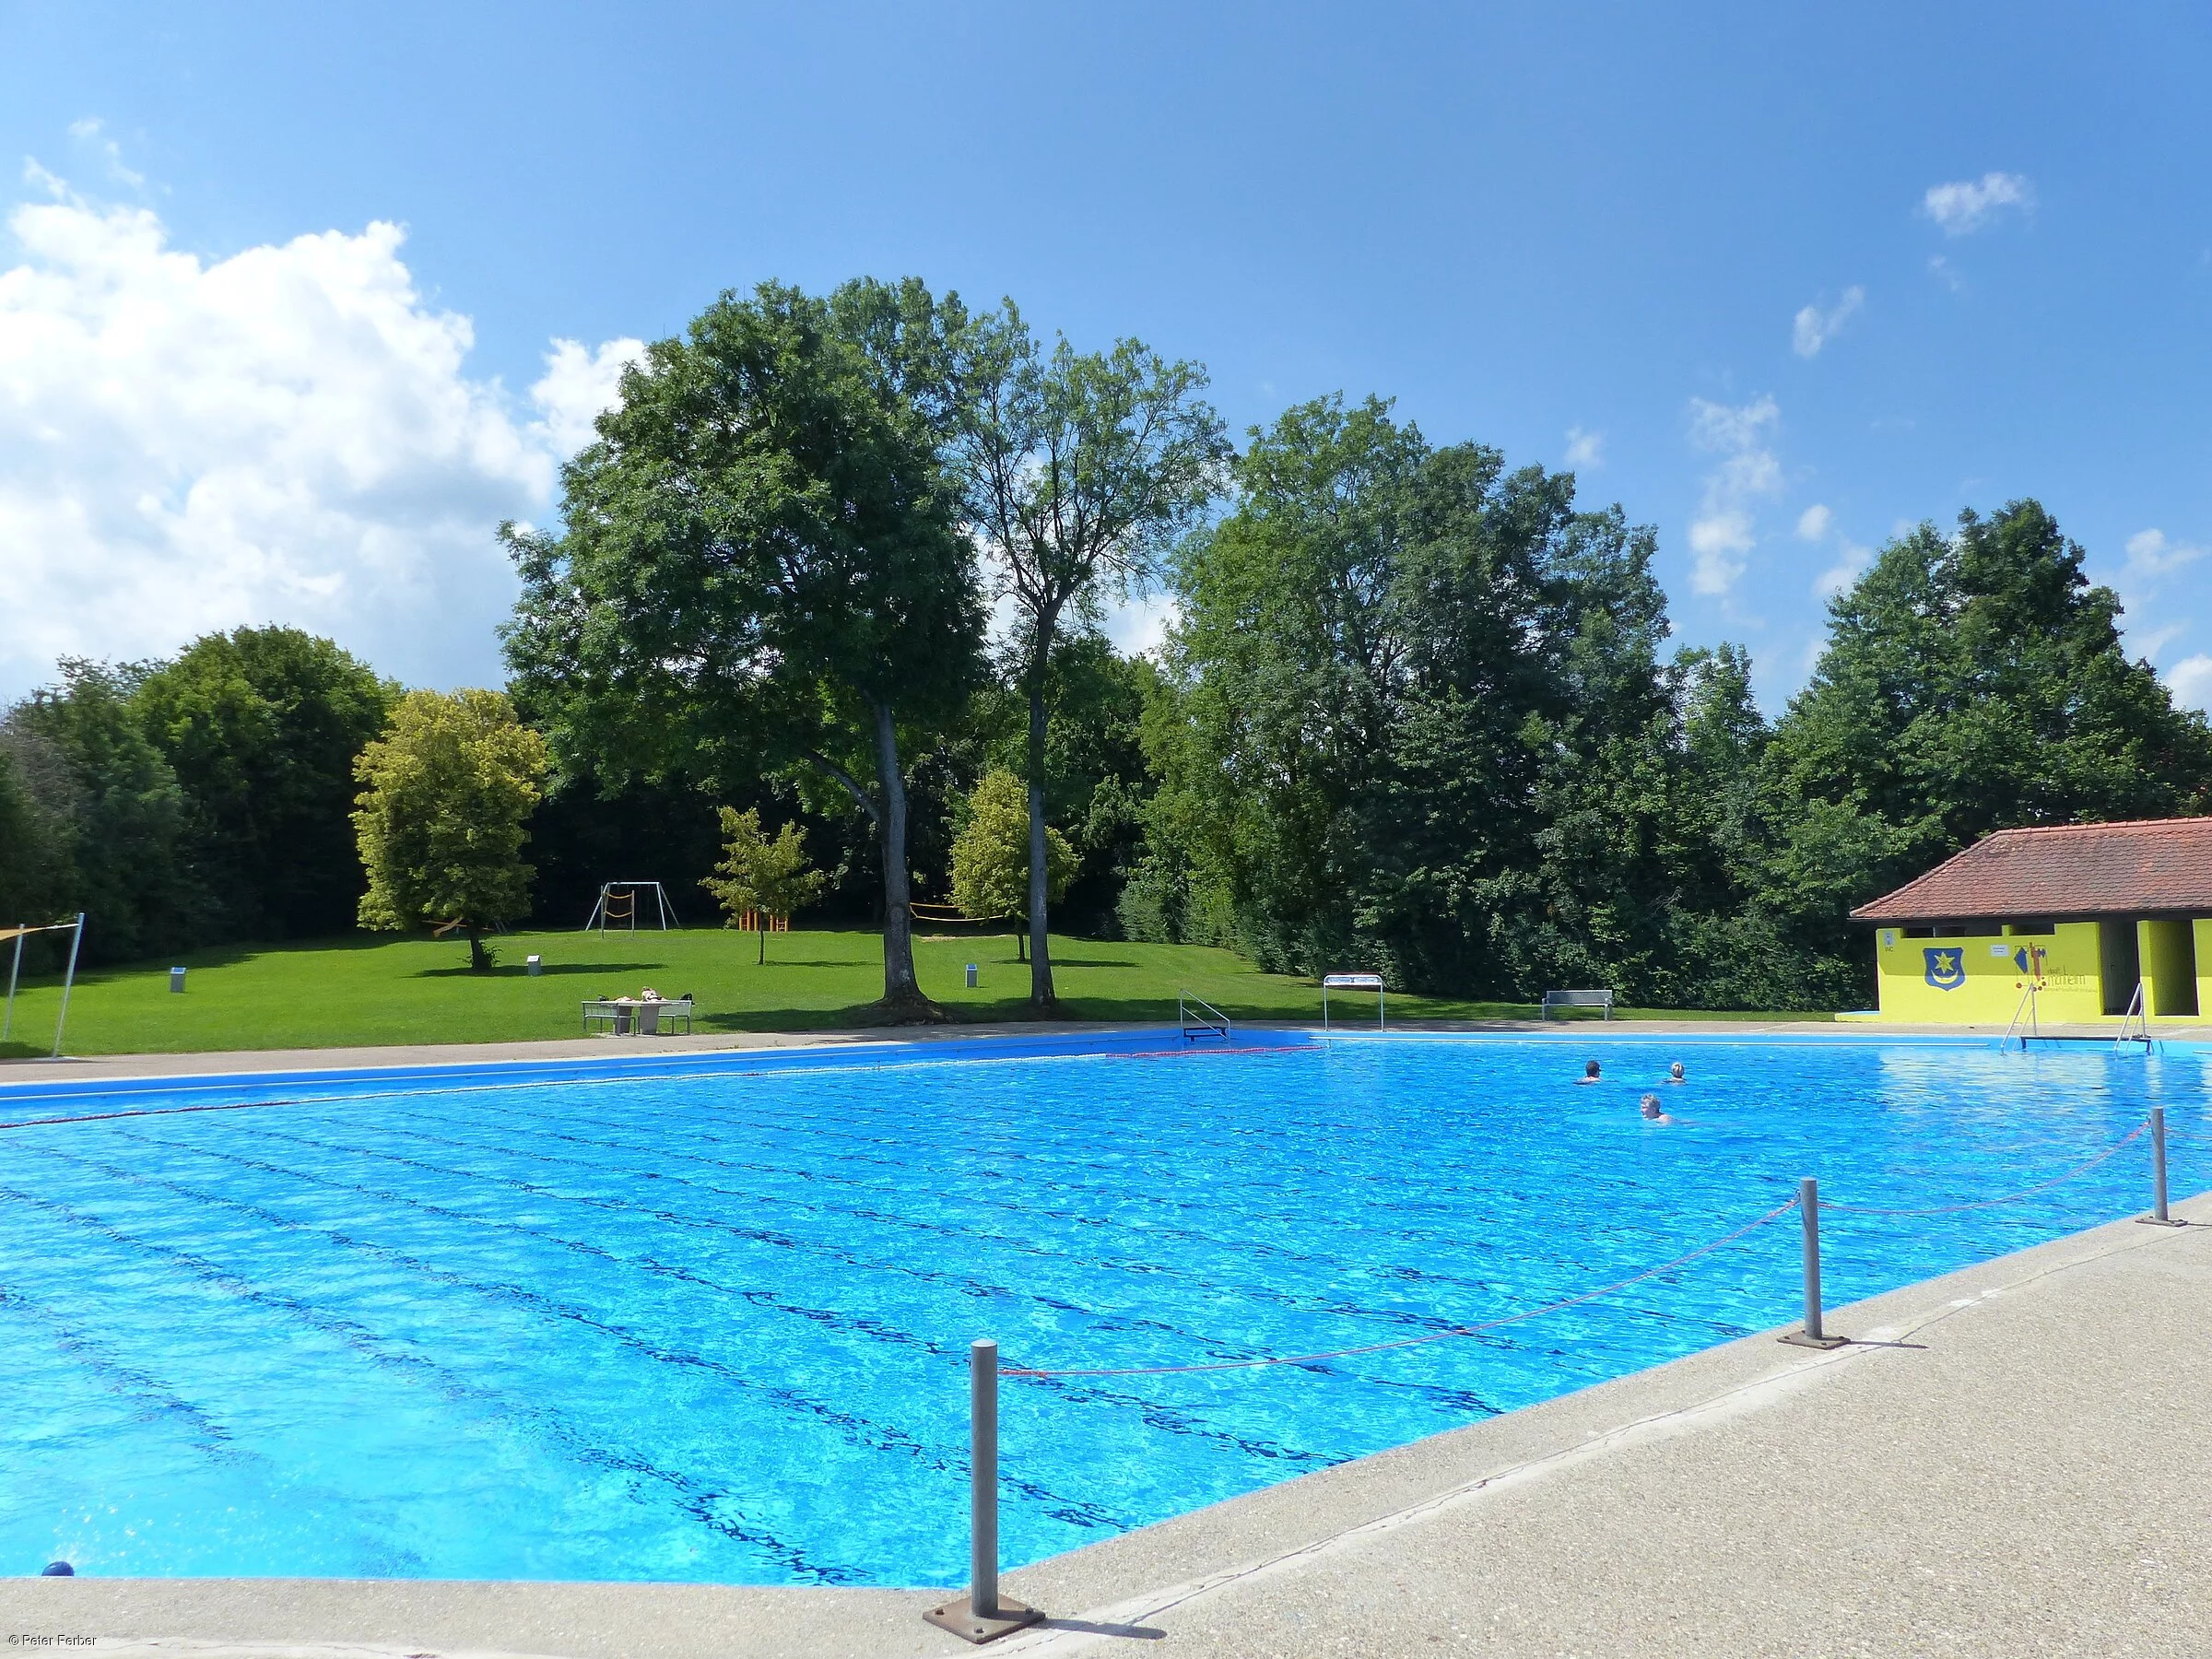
[[636, 1016]]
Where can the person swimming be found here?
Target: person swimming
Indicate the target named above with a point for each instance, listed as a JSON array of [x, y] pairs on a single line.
[[1652, 1111], [1674, 1075], [1589, 1073]]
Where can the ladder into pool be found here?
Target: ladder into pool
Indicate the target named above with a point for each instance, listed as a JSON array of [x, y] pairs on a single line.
[[1199, 1018], [2141, 1016], [2024, 1022]]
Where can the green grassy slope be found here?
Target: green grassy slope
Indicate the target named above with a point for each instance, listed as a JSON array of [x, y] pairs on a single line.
[[370, 990]]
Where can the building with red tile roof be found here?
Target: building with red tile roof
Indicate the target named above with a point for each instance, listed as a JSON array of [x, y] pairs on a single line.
[[2068, 922], [2142, 867]]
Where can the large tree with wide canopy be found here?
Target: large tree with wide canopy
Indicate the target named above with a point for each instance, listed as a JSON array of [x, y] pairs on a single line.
[[761, 567]]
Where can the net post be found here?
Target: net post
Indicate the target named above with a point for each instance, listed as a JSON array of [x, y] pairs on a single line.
[[8, 1023], [2158, 1216], [983, 1480], [1813, 1336], [68, 979], [983, 1614]]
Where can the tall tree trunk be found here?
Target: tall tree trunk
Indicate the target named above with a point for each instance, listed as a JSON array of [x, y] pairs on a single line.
[[761, 961], [479, 959], [1042, 1000], [901, 993]]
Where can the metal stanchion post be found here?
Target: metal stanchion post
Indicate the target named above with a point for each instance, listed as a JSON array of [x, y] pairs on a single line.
[[2158, 1216], [982, 1613], [1808, 1203]]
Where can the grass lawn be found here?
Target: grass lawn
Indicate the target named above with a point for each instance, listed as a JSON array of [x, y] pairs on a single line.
[[367, 989]]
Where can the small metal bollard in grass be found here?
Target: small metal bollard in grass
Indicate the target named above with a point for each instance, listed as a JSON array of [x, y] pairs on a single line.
[[982, 1613], [1813, 1336]]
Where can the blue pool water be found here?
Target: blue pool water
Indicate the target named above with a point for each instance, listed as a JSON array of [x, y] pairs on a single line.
[[708, 1320]]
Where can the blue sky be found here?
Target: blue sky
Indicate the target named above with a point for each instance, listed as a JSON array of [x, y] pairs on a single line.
[[280, 288]]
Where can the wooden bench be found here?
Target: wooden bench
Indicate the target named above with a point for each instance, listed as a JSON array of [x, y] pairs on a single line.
[[1578, 999]]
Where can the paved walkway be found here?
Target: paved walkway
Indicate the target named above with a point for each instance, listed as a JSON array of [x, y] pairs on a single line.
[[2012, 1460], [93, 1069]]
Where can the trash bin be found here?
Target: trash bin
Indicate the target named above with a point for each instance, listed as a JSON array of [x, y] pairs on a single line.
[[534, 965], [972, 976], [176, 980]]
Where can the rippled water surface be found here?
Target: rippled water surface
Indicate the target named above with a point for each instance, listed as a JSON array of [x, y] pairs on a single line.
[[712, 1325]]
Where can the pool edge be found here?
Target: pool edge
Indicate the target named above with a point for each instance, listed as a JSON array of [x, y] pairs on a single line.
[[1116, 1586]]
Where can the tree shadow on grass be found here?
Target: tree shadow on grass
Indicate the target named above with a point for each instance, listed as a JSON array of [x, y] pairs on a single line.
[[545, 970]]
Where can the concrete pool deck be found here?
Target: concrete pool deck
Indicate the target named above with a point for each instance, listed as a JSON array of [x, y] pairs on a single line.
[[2013, 1458], [95, 1069]]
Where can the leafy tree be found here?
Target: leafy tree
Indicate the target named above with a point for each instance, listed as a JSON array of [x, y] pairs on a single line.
[[115, 823], [771, 878], [991, 854], [445, 795], [1972, 682], [38, 809], [262, 726], [761, 568], [1096, 775], [1079, 469], [1417, 721]]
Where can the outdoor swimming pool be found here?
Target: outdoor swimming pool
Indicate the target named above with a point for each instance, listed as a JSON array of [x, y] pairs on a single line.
[[708, 1319]]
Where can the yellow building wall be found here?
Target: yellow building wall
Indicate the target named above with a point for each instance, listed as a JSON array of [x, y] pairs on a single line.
[[2202, 925], [1978, 980], [2169, 957]]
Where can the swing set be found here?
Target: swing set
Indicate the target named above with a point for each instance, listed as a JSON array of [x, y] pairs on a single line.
[[617, 907], [74, 928]]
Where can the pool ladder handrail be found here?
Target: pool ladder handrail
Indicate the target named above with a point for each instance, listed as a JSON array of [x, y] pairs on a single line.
[[2141, 1016], [1193, 1028], [2028, 1008]]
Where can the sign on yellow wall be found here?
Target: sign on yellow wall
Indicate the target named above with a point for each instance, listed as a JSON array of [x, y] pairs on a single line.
[[1981, 980]]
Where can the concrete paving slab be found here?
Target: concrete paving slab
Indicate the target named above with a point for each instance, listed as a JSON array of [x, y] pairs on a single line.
[[2012, 1459]]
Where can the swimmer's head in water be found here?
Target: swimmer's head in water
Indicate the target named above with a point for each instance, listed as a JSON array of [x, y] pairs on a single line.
[[1589, 1070], [1674, 1071], [1650, 1105]]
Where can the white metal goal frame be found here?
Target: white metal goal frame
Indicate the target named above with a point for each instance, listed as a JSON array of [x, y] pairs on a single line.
[[624, 894], [74, 928]]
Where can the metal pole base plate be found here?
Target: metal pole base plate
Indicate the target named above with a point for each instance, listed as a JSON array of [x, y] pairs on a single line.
[[2155, 1221], [963, 1622], [1799, 1339]]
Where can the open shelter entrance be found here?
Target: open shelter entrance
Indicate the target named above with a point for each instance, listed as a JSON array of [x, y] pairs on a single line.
[[620, 903]]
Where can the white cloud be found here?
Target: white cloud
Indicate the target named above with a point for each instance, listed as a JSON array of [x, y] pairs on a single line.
[[1136, 626], [2190, 680], [287, 434], [1814, 327], [1966, 206], [1723, 530], [2150, 554], [1718, 540], [1719, 426], [578, 383], [1813, 524], [1852, 562], [93, 135], [2149, 642], [1585, 449], [1948, 272]]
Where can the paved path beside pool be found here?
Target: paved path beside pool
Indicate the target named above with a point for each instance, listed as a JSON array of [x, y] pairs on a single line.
[[95, 1068], [2015, 1459]]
